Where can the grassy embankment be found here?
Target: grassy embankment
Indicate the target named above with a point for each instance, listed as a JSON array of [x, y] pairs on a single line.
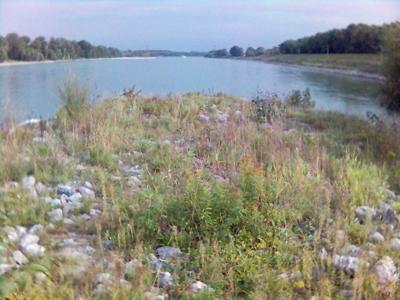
[[365, 63], [251, 204]]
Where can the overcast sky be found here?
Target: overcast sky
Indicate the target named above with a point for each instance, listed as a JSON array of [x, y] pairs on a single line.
[[188, 24]]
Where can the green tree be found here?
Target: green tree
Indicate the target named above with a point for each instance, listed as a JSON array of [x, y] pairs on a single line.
[[3, 49], [40, 44], [16, 46], [250, 52], [260, 51], [391, 67], [236, 51]]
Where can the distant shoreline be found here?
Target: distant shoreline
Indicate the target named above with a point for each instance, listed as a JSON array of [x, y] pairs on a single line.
[[13, 63]]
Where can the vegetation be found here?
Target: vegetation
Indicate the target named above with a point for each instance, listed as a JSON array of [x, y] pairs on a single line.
[[251, 192], [236, 51], [356, 38], [366, 63], [391, 68], [21, 48]]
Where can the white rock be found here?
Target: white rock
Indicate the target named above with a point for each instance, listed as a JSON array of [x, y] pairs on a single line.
[[80, 168], [165, 280], [68, 221], [88, 185], [56, 203], [33, 250], [198, 286], [74, 198], [376, 237], [104, 278], [94, 212], [55, 215], [168, 252], [86, 193], [21, 230], [365, 213], [28, 182], [347, 264], [40, 277], [132, 267], [385, 271], [89, 250], [395, 244], [19, 258], [36, 229], [41, 188], [29, 239]]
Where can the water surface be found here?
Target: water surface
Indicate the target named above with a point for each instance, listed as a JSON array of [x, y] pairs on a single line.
[[32, 90]]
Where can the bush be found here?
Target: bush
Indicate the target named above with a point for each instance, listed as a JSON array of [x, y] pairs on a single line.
[[267, 108], [250, 52], [236, 51], [391, 68], [300, 99]]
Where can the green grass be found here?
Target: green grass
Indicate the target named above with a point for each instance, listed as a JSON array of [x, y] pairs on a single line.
[[247, 202], [366, 63]]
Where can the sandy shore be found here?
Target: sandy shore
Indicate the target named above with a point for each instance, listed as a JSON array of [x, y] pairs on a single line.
[[23, 63]]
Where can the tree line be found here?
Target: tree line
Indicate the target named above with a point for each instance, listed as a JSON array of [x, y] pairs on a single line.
[[356, 38], [237, 51], [22, 48]]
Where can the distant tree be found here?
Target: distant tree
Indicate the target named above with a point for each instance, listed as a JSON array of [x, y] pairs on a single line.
[[16, 46], [86, 48], [218, 53], [3, 49], [40, 44], [250, 52], [236, 51], [392, 67], [260, 51]]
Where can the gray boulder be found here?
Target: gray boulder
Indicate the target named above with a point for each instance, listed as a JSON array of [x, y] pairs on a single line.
[[385, 271]]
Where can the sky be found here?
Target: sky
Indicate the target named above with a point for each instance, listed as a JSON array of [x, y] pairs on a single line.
[[188, 24]]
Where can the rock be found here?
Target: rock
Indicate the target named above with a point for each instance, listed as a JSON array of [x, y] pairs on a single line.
[[103, 278], [21, 230], [80, 168], [67, 221], [29, 239], [165, 280], [100, 289], [198, 286], [385, 271], [65, 190], [19, 258], [55, 215], [348, 264], [28, 182], [89, 250], [365, 213], [75, 198], [40, 276], [132, 267], [36, 229], [86, 193], [386, 213], [88, 185], [376, 238], [167, 252], [41, 188], [351, 250], [56, 203], [11, 185], [4, 268], [94, 212], [12, 234], [33, 250], [134, 181], [395, 245], [134, 171]]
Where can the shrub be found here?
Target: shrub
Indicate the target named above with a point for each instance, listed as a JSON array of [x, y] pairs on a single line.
[[391, 68], [267, 108], [300, 99]]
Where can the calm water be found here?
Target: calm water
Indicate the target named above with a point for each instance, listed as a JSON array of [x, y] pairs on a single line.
[[32, 89]]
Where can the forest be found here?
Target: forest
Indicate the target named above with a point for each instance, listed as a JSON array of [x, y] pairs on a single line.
[[22, 48], [356, 38]]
